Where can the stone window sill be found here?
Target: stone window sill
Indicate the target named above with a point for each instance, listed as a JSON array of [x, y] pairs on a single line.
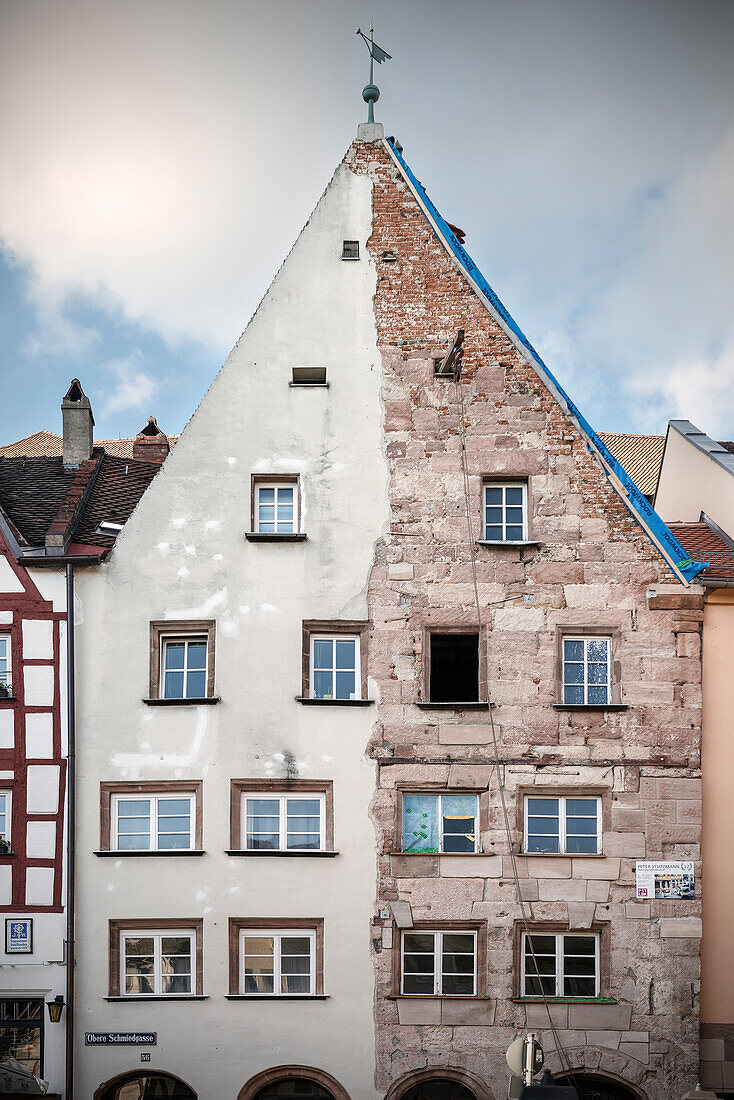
[[565, 1000], [276, 996], [206, 701], [132, 852], [591, 706], [276, 852], [442, 854], [308, 701], [263, 536], [474, 704], [438, 997], [562, 855], [162, 997], [309, 385], [508, 545]]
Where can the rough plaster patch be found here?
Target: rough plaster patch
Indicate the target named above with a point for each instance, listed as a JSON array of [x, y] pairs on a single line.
[[232, 461], [212, 525], [163, 547], [190, 550], [204, 611], [270, 609], [179, 522], [137, 760], [183, 572]]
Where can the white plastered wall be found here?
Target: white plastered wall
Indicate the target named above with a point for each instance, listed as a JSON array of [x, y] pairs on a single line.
[[183, 555], [692, 482]]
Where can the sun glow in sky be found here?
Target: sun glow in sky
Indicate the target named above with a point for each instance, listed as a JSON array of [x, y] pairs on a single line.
[[159, 159]]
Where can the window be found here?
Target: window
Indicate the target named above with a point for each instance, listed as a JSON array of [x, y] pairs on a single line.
[[308, 376], [560, 965], [440, 822], [453, 664], [565, 824], [156, 957], [439, 963], [21, 1032], [5, 816], [275, 505], [5, 667], [157, 963], [182, 661], [587, 670], [334, 667], [155, 822], [294, 1088], [278, 962], [505, 511], [350, 250], [287, 822]]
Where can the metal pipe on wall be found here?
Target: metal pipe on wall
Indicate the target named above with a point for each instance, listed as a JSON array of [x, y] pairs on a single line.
[[70, 829]]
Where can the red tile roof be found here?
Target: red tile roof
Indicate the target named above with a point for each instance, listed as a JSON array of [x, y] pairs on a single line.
[[641, 456], [703, 544], [48, 445]]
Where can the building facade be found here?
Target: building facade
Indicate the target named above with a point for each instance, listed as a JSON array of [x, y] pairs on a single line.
[[390, 680]]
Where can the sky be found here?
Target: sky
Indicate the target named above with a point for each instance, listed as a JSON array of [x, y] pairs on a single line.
[[159, 157]]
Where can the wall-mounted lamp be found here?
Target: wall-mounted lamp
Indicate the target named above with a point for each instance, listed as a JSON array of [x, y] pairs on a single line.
[[55, 1008]]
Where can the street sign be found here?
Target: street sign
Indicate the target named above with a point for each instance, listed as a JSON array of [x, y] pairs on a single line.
[[120, 1038], [514, 1056]]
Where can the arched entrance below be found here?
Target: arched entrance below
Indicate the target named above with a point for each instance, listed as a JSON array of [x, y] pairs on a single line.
[[145, 1086], [438, 1089], [592, 1087], [292, 1083]]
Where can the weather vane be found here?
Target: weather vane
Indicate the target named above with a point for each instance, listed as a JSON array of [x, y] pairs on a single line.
[[371, 93]]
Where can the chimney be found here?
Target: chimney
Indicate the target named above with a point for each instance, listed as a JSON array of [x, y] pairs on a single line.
[[77, 420], [151, 445]]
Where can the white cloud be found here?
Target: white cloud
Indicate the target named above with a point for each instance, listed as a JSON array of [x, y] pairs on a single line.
[[700, 390], [132, 389]]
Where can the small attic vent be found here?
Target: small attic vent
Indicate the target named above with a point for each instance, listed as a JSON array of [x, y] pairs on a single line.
[[107, 527], [309, 376], [350, 250]]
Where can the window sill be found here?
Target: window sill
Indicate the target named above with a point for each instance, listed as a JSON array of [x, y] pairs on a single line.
[[591, 706], [7, 855], [438, 997], [144, 852], [448, 854], [276, 997], [315, 854], [475, 704], [8, 698], [309, 385], [508, 545], [263, 536], [161, 997], [308, 701], [207, 701], [565, 1000], [562, 855]]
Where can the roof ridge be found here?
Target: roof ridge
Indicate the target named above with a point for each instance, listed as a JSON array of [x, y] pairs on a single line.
[[657, 531]]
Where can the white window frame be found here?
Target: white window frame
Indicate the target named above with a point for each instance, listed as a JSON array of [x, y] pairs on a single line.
[[282, 798], [561, 800], [6, 833], [157, 934], [357, 661], [6, 675], [440, 795], [504, 485], [152, 798], [277, 935], [437, 959], [560, 977], [586, 638], [276, 485], [188, 638]]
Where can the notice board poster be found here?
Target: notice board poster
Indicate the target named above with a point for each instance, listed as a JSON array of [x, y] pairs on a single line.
[[664, 880]]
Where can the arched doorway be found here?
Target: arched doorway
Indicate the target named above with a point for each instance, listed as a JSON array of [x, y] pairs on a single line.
[[145, 1086], [591, 1087], [438, 1089], [294, 1089], [292, 1083]]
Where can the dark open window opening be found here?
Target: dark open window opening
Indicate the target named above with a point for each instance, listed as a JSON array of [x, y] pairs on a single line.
[[454, 668], [350, 250], [438, 1090]]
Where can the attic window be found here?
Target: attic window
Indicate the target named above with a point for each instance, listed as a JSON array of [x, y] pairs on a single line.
[[350, 250], [309, 376], [107, 527]]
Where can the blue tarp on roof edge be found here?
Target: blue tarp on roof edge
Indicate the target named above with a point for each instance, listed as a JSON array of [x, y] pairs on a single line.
[[644, 513]]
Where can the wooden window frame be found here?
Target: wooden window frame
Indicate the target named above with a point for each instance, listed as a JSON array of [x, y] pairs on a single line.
[[496, 481], [238, 925], [179, 628], [439, 795], [403, 788], [600, 929], [240, 789], [7, 673], [258, 481], [333, 628], [159, 925], [455, 628], [589, 631], [480, 930], [7, 834], [165, 787], [562, 797]]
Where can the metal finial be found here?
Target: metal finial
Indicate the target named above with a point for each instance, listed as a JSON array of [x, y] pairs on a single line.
[[371, 93]]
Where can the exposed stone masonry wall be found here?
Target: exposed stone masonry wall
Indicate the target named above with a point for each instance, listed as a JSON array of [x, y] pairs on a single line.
[[593, 566]]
